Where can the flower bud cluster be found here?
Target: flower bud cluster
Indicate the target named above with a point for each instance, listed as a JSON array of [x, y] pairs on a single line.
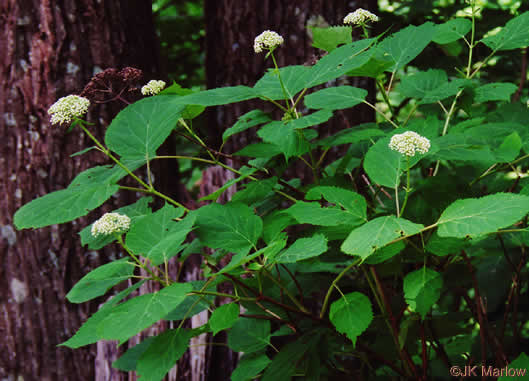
[[153, 87], [68, 108], [409, 142], [360, 17], [267, 40], [110, 223]]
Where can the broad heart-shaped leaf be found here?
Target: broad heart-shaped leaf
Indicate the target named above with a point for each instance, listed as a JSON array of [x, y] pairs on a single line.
[[513, 35], [157, 236], [191, 111], [98, 281], [352, 202], [129, 360], [339, 62], [233, 227], [133, 211], [224, 317], [293, 81], [63, 206], [162, 354], [462, 147], [329, 38], [285, 138], [377, 233], [246, 121], [336, 98], [351, 314], [402, 47], [422, 289], [477, 216], [87, 334], [249, 335], [303, 248], [312, 213], [385, 166], [134, 315], [521, 367], [142, 127], [249, 366], [451, 31], [509, 148], [495, 92]]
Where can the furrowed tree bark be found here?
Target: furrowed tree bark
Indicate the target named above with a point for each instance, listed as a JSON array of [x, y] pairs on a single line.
[[50, 49], [231, 26]]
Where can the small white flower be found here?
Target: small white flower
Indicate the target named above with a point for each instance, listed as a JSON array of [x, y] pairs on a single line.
[[111, 223], [267, 40], [153, 87], [68, 108], [360, 17], [408, 143]]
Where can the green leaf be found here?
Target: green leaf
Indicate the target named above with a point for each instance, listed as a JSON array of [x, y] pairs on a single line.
[[518, 369], [509, 149], [461, 147], [422, 289], [402, 47], [255, 191], [246, 121], [219, 96], [162, 354], [385, 166], [98, 281], [249, 335], [451, 31], [386, 253], [133, 316], [495, 92], [312, 213], [87, 334], [339, 62], [142, 127], [477, 216], [190, 112], [303, 248], [265, 150], [352, 135], [285, 137], [274, 224], [157, 236], [446, 245], [129, 360], [430, 86], [193, 304], [310, 120], [63, 206], [249, 366], [351, 202], [233, 227], [336, 98], [329, 38], [267, 252], [293, 81], [224, 317], [377, 233], [351, 315], [134, 211], [513, 35]]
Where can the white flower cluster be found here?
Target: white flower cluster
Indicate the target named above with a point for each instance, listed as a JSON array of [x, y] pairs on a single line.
[[111, 223], [68, 108], [267, 40], [153, 87], [360, 17], [409, 142]]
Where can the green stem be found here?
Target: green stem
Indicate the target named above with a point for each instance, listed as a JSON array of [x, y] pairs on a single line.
[[333, 285], [407, 185], [223, 295], [381, 114], [385, 96], [287, 98]]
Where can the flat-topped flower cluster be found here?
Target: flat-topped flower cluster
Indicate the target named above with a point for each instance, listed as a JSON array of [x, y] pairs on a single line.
[[267, 40], [66, 109], [408, 143], [111, 223], [360, 17], [153, 87]]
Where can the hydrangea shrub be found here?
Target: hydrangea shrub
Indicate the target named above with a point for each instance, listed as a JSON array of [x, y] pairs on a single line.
[[402, 259]]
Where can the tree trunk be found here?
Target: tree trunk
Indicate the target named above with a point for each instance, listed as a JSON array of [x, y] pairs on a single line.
[[51, 49], [231, 26]]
